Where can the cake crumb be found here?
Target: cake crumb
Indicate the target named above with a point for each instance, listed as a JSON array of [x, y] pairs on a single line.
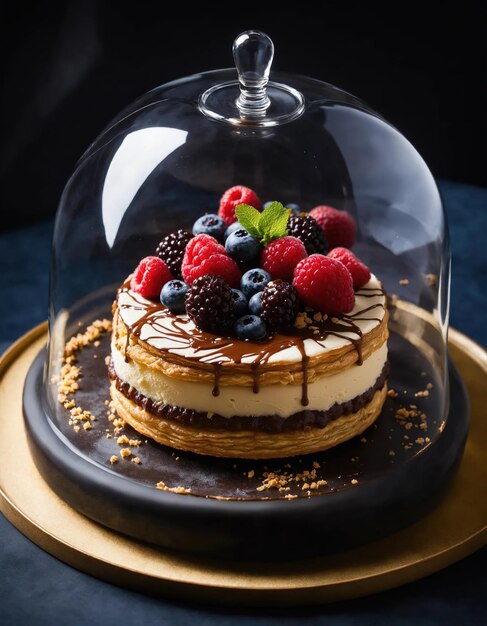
[[422, 394], [135, 442], [429, 386], [431, 279], [125, 452], [76, 428], [392, 393], [123, 440], [305, 486], [404, 281], [316, 465], [290, 496], [251, 474], [162, 485], [136, 460], [392, 453], [419, 441], [364, 440], [87, 426], [354, 481], [113, 459]]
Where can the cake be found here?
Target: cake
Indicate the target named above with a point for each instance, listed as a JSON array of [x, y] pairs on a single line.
[[291, 363]]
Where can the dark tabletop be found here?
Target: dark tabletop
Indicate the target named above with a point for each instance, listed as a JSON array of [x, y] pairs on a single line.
[[37, 589]]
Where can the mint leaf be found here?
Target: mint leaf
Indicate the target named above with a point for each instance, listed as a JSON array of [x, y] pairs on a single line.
[[249, 218], [279, 227], [273, 222], [266, 226]]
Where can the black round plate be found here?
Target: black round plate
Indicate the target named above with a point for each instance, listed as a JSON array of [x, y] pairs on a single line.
[[377, 483]]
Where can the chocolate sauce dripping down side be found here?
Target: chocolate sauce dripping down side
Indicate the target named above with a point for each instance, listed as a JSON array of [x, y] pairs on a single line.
[[126, 357], [217, 367], [254, 368]]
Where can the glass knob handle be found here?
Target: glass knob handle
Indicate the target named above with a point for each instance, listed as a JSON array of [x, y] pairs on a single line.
[[253, 52]]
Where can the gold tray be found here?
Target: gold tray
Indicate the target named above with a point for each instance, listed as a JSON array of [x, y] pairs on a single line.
[[454, 530]]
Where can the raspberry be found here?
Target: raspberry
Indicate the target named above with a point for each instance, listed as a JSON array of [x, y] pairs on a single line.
[[149, 277], [359, 271], [232, 198], [281, 256], [210, 304], [339, 226], [171, 250], [324, 284], [279, 304], [204, 255]]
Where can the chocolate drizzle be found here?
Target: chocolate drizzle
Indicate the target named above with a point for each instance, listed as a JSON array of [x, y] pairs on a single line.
[[178, 334], [217, 367]]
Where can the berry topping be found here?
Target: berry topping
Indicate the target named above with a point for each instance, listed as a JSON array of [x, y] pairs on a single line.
[[281, 256], [172, 295], [204, 255], [241, 304], [253, 281], [149, 277], [295, 208], [243, 248], [232, 198], [250, 327], [309, 232], [210, 304], [339, 226], [255, 303], [232, 228], [279, 304], [359, 271], [210, 225], [171, 250], [324, 284]]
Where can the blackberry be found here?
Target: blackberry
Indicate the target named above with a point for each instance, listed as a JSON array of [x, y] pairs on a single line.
[[307, 229], [210, 304], [171, 250], [279, 304]]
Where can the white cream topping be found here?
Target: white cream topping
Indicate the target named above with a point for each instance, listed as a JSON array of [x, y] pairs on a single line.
[[131, 312], [283, 400]]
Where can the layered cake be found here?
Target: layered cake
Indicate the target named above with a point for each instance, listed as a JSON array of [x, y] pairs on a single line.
[[258, 335]]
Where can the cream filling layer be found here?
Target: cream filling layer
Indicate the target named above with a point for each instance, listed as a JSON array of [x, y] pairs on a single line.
[[282, 400], [132, 308]]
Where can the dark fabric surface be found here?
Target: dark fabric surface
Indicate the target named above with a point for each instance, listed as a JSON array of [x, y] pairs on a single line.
[[36, 589]]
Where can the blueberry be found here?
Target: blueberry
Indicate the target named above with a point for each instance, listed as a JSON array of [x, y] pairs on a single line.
[[243, 248], [172, 295], [231, 229], [241, 304], [295, 208], [250, 327], [253, 281], [267, 204], [210, 224], [255, 303]]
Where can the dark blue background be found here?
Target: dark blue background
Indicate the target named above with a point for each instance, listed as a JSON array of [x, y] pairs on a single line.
[[36, 589]]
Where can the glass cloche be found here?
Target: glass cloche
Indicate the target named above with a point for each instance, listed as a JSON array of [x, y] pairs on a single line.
[[162, 163], [168, 157]]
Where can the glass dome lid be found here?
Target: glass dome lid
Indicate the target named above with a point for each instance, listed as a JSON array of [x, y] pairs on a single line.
[[168, 158]]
